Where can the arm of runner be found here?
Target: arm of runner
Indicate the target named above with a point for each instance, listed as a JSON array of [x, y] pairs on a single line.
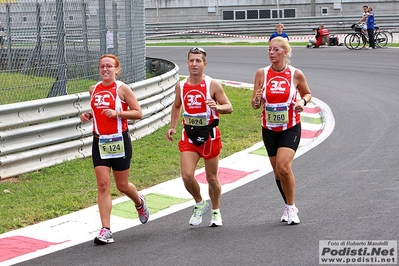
[[219, 102], [175, 113]]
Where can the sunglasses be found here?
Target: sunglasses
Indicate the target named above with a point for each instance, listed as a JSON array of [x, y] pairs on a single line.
[[198, 49]]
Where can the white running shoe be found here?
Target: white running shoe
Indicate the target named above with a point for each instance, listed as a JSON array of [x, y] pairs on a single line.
[[196, 218], [284, 217], [293, 215], [216, 219]]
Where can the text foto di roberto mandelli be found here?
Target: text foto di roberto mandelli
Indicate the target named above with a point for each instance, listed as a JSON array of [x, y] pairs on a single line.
[[358, 251]]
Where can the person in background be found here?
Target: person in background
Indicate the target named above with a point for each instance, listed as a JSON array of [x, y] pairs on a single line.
[[279, 32], [363, 19], [110, 40], [321, 38], [202, 99], [276, 91], [370, 27], [113, 103], [2, 35], [325, 33]]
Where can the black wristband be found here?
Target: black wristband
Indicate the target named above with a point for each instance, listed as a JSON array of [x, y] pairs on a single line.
[[91, 116], [304, 102]]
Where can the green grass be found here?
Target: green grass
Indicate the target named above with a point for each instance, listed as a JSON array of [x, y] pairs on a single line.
[[71, 186], [17, 87]]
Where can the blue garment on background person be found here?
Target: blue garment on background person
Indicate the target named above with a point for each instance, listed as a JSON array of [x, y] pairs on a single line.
[[275, 34], [370, 28], [370, 21]]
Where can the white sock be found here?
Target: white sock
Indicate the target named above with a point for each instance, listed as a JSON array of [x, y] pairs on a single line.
[[200, 203]]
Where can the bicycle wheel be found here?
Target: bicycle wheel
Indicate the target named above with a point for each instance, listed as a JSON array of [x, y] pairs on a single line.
[[352, 41], [389, 36], [346, 41], [381, 39]]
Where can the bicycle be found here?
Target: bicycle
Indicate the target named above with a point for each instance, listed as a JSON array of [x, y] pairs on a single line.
[[359, 38]]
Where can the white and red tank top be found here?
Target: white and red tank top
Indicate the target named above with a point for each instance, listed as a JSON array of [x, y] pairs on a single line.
[[104, 97], [195, 110], [279, 98]]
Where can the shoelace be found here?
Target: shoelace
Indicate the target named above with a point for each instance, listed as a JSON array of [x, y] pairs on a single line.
[[142, 212], [291, 211], [198, 211], [103, 232], [214, 215]]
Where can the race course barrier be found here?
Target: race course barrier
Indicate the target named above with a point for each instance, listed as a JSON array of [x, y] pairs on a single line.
[[41, 133]]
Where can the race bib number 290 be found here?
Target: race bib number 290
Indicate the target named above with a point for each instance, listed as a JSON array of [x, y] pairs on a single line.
[[111, 146]]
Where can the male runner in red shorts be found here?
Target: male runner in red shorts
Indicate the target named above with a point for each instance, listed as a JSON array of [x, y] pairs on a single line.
[[202, 99]]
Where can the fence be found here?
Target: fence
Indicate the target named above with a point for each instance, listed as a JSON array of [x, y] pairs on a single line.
[[41, 133], [51, 48]]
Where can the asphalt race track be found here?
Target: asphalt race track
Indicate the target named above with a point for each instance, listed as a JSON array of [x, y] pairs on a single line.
[[347, 187]]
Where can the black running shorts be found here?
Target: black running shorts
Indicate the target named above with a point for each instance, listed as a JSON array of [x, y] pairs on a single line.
[[117, 164], [275, 139]]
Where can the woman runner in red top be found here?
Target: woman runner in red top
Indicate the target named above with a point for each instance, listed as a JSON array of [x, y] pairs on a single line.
[[276, 90], [112, 104]]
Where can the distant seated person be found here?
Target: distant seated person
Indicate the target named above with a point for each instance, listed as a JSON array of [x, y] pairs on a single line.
[[279, 32], [322, 37]]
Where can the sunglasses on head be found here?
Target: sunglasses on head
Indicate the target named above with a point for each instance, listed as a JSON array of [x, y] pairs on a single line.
[[198, 49]]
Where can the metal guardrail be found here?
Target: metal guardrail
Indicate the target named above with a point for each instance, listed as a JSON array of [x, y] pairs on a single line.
[[41, 133], [264, 27]]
